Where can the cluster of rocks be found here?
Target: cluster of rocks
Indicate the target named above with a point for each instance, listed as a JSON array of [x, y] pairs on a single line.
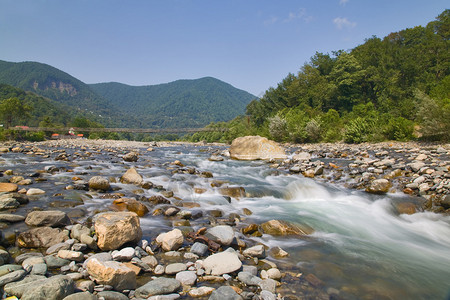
[[105, 257], [418, 170], [381, 168], [105, 262]]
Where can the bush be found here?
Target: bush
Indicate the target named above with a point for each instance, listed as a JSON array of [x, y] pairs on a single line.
[[278, 128], [358, 131], [399, 129], [313, 131]]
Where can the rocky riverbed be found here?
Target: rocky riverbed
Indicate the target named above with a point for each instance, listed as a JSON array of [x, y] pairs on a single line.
[[75, 216]]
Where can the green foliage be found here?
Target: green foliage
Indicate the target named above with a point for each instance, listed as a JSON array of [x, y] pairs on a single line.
[[13, 108], [358, 131], [399, 129], [434, 115], [277, 128]]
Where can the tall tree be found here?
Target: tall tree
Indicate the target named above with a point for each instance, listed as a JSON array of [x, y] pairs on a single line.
[[13, 108]]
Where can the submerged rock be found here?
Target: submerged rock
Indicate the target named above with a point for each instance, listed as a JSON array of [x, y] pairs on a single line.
[[132, 205], [254, 148], [279, 227]]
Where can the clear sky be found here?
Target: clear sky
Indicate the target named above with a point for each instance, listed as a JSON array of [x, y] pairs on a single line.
[[251, 44]]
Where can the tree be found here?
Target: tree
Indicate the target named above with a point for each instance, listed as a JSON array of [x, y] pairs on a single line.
[[13, 108]]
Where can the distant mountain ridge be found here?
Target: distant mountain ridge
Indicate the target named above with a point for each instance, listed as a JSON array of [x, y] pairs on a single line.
[[182, 103]]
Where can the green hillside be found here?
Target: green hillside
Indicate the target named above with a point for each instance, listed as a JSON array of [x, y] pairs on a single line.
[[59, 86], [41, 109], [178, 104]]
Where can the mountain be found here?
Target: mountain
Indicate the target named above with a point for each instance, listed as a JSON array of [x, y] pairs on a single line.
[[178, 104], [59, 86], [42, 109]]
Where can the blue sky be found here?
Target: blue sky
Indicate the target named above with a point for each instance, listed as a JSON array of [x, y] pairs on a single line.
[[251, 44]]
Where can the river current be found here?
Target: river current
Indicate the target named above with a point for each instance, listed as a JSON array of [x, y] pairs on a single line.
[[360, 248]]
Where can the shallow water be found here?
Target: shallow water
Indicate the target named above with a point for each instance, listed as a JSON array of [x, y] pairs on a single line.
[[361, 246]]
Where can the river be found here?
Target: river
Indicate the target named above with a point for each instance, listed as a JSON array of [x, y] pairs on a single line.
[[361, 248]]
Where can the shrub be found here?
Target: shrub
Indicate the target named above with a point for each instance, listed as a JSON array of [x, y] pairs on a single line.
[[358, 131], [399, 129], [278, 128], [313, 131]]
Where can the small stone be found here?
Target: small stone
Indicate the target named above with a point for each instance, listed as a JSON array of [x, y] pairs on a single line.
[[52, 218], [255, 251], [99, 183], [222, 234], [172, 269], [222, 263], [225, 292], [249, 279], [202, 291], [277, 252], [131, 176], [126, 254], [158, 286], [71, 255], [159, 270], [379, 186], [35, 191], [112, 273], [131, 156], [199, 248], [186, 277], [171, 240], [8, 187], [150, 260]]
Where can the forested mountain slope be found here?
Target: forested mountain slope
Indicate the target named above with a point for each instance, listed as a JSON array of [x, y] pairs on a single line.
[[182, 103]]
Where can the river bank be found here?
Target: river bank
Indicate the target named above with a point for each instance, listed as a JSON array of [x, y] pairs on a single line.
[[207, 222]]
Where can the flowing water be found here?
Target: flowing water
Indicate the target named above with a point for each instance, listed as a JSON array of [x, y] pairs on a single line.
[[360, 247]]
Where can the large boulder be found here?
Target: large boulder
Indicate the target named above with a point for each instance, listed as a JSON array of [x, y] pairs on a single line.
[[256, 147], [222, 263], [41, 237], [116, 228], [112, 273], [280, 227], [52, 218], [131, 176]]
